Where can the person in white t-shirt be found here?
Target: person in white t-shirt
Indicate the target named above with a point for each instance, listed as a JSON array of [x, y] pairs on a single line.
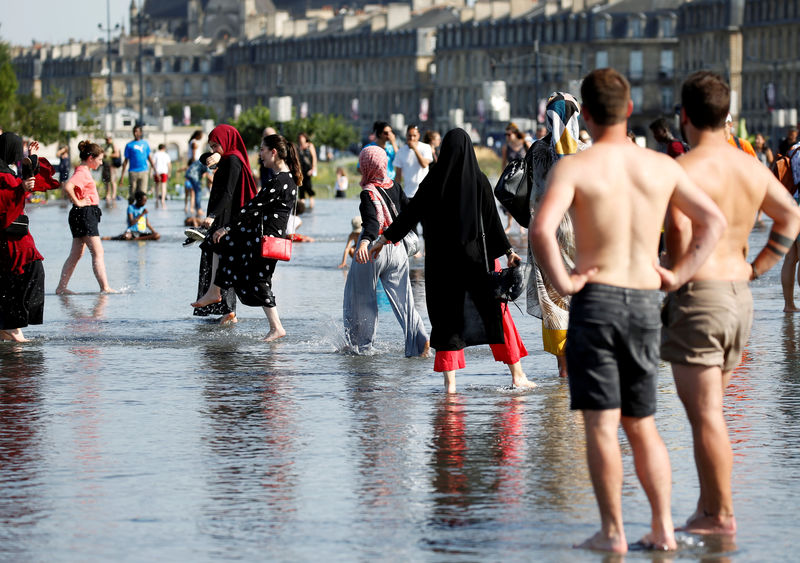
[[412, 160], [163, 166]]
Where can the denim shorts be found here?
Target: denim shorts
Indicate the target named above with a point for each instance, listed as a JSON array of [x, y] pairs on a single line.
[[613, 349]]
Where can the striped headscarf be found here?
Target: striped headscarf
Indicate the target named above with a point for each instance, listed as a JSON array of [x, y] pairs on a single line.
[[562, 114], [373, 162]]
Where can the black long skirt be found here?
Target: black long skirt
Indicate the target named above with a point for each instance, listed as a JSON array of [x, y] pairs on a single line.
[[22, 297], [228, 303]]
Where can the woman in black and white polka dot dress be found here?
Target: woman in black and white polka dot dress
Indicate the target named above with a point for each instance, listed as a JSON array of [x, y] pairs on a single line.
[[241, 265]]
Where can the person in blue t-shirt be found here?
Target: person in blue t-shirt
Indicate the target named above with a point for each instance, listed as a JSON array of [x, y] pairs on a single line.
[[137, 153], [384, 138], [139, 226]]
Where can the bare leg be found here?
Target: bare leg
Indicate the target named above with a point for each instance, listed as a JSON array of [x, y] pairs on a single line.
[[98, 264], [214, 293], [163, 187], [449, 381], [790, 262], [605, 467], [700, 388], [67, 270], [13, 334], [276, 330], [518, 377], [653, 470], [562, 366]]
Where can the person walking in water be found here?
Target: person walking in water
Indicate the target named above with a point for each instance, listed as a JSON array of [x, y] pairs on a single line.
[[381, 199], [708, 319], [457, 208], [242, 267], [84, 218], [233, 186], [617, 194]]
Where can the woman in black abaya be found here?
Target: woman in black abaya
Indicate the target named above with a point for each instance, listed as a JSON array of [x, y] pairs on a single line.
[[450, 203]]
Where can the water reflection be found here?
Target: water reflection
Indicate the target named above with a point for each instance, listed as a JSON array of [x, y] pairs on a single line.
[[450, 483], [251, 443], [21, 455]]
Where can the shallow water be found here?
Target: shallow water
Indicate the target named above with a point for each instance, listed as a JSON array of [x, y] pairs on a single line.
[[133, 431]]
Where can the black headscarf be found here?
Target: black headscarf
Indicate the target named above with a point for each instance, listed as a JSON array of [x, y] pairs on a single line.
[[453, 185], [10, 151]]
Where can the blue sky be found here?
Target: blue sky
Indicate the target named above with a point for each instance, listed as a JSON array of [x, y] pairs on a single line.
[[56, 21]]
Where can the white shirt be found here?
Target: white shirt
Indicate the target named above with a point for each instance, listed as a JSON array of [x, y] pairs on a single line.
[[161, 162], [413, 173]]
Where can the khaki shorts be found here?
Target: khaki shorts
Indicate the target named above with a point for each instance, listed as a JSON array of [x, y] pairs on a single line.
[[138, 181], [707, 323]]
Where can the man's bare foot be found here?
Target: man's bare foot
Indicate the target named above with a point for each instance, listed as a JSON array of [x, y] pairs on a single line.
[[523, 382], [13, 335], [656, 542], [274, 335], [600, 542], [206, 300], [709, 524], [64, 291], [228, 319], [426, 351], [108, 290], [562, 366], [791, 309]]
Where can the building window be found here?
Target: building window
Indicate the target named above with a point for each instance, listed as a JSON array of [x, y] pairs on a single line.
[[601, 59], [667, 63], [186, 65], [167, 88], [636, 26], [637, 97], [128, 88], [635, 69], [148, 88], [600, 28], [204, 88], [187, 88], [667, 99]]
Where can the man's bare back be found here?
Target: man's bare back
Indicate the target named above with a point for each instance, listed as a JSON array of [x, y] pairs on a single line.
[[740, 186], [619, 194]]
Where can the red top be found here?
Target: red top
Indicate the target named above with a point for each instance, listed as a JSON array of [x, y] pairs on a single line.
[[232, 144], [16, 254]]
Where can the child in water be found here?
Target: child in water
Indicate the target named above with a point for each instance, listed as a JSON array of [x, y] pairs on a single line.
[[139, 226], [352, 240]]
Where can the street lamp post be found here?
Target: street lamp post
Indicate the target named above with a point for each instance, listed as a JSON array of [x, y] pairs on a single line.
[[108, 29], [140, 18]]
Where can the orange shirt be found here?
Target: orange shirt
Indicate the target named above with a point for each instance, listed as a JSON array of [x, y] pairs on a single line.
[[744, 145]]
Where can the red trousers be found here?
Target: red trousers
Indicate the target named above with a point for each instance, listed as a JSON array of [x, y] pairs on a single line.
[[509, 352]]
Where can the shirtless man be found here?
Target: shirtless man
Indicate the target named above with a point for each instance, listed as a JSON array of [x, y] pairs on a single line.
[[617, 193], [707, 321]]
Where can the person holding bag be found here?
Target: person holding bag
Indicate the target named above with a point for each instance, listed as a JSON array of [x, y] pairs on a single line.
[[238, 243], [463, 237], [21, 271], [379, 195]]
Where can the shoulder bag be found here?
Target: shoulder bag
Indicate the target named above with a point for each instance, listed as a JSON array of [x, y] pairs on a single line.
[[513, 190], [17, 229], [277, 248], [507, 284], [411, 240]]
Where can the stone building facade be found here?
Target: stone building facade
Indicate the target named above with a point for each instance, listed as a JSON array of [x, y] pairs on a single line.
[[424, 58]]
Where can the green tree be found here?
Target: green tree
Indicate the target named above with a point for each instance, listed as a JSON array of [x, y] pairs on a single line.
[[251, 124], [333, 131], [89, 119], [37, 117], [199, 112], [8, 87]]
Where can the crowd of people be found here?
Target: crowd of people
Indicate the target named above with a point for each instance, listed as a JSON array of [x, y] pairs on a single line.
[[603, 246]]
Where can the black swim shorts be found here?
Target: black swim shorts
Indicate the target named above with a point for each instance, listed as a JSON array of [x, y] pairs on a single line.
[[83, 221], [613, 349]]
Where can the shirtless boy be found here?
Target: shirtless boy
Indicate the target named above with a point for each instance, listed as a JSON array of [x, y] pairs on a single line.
[[707, 321], [617, 193]]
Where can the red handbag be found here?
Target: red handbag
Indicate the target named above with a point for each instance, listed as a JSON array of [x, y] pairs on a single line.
[[277, 248]]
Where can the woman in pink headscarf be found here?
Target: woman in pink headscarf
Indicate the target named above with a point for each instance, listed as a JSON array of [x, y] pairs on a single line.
[[232, 188], [381, 200]]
